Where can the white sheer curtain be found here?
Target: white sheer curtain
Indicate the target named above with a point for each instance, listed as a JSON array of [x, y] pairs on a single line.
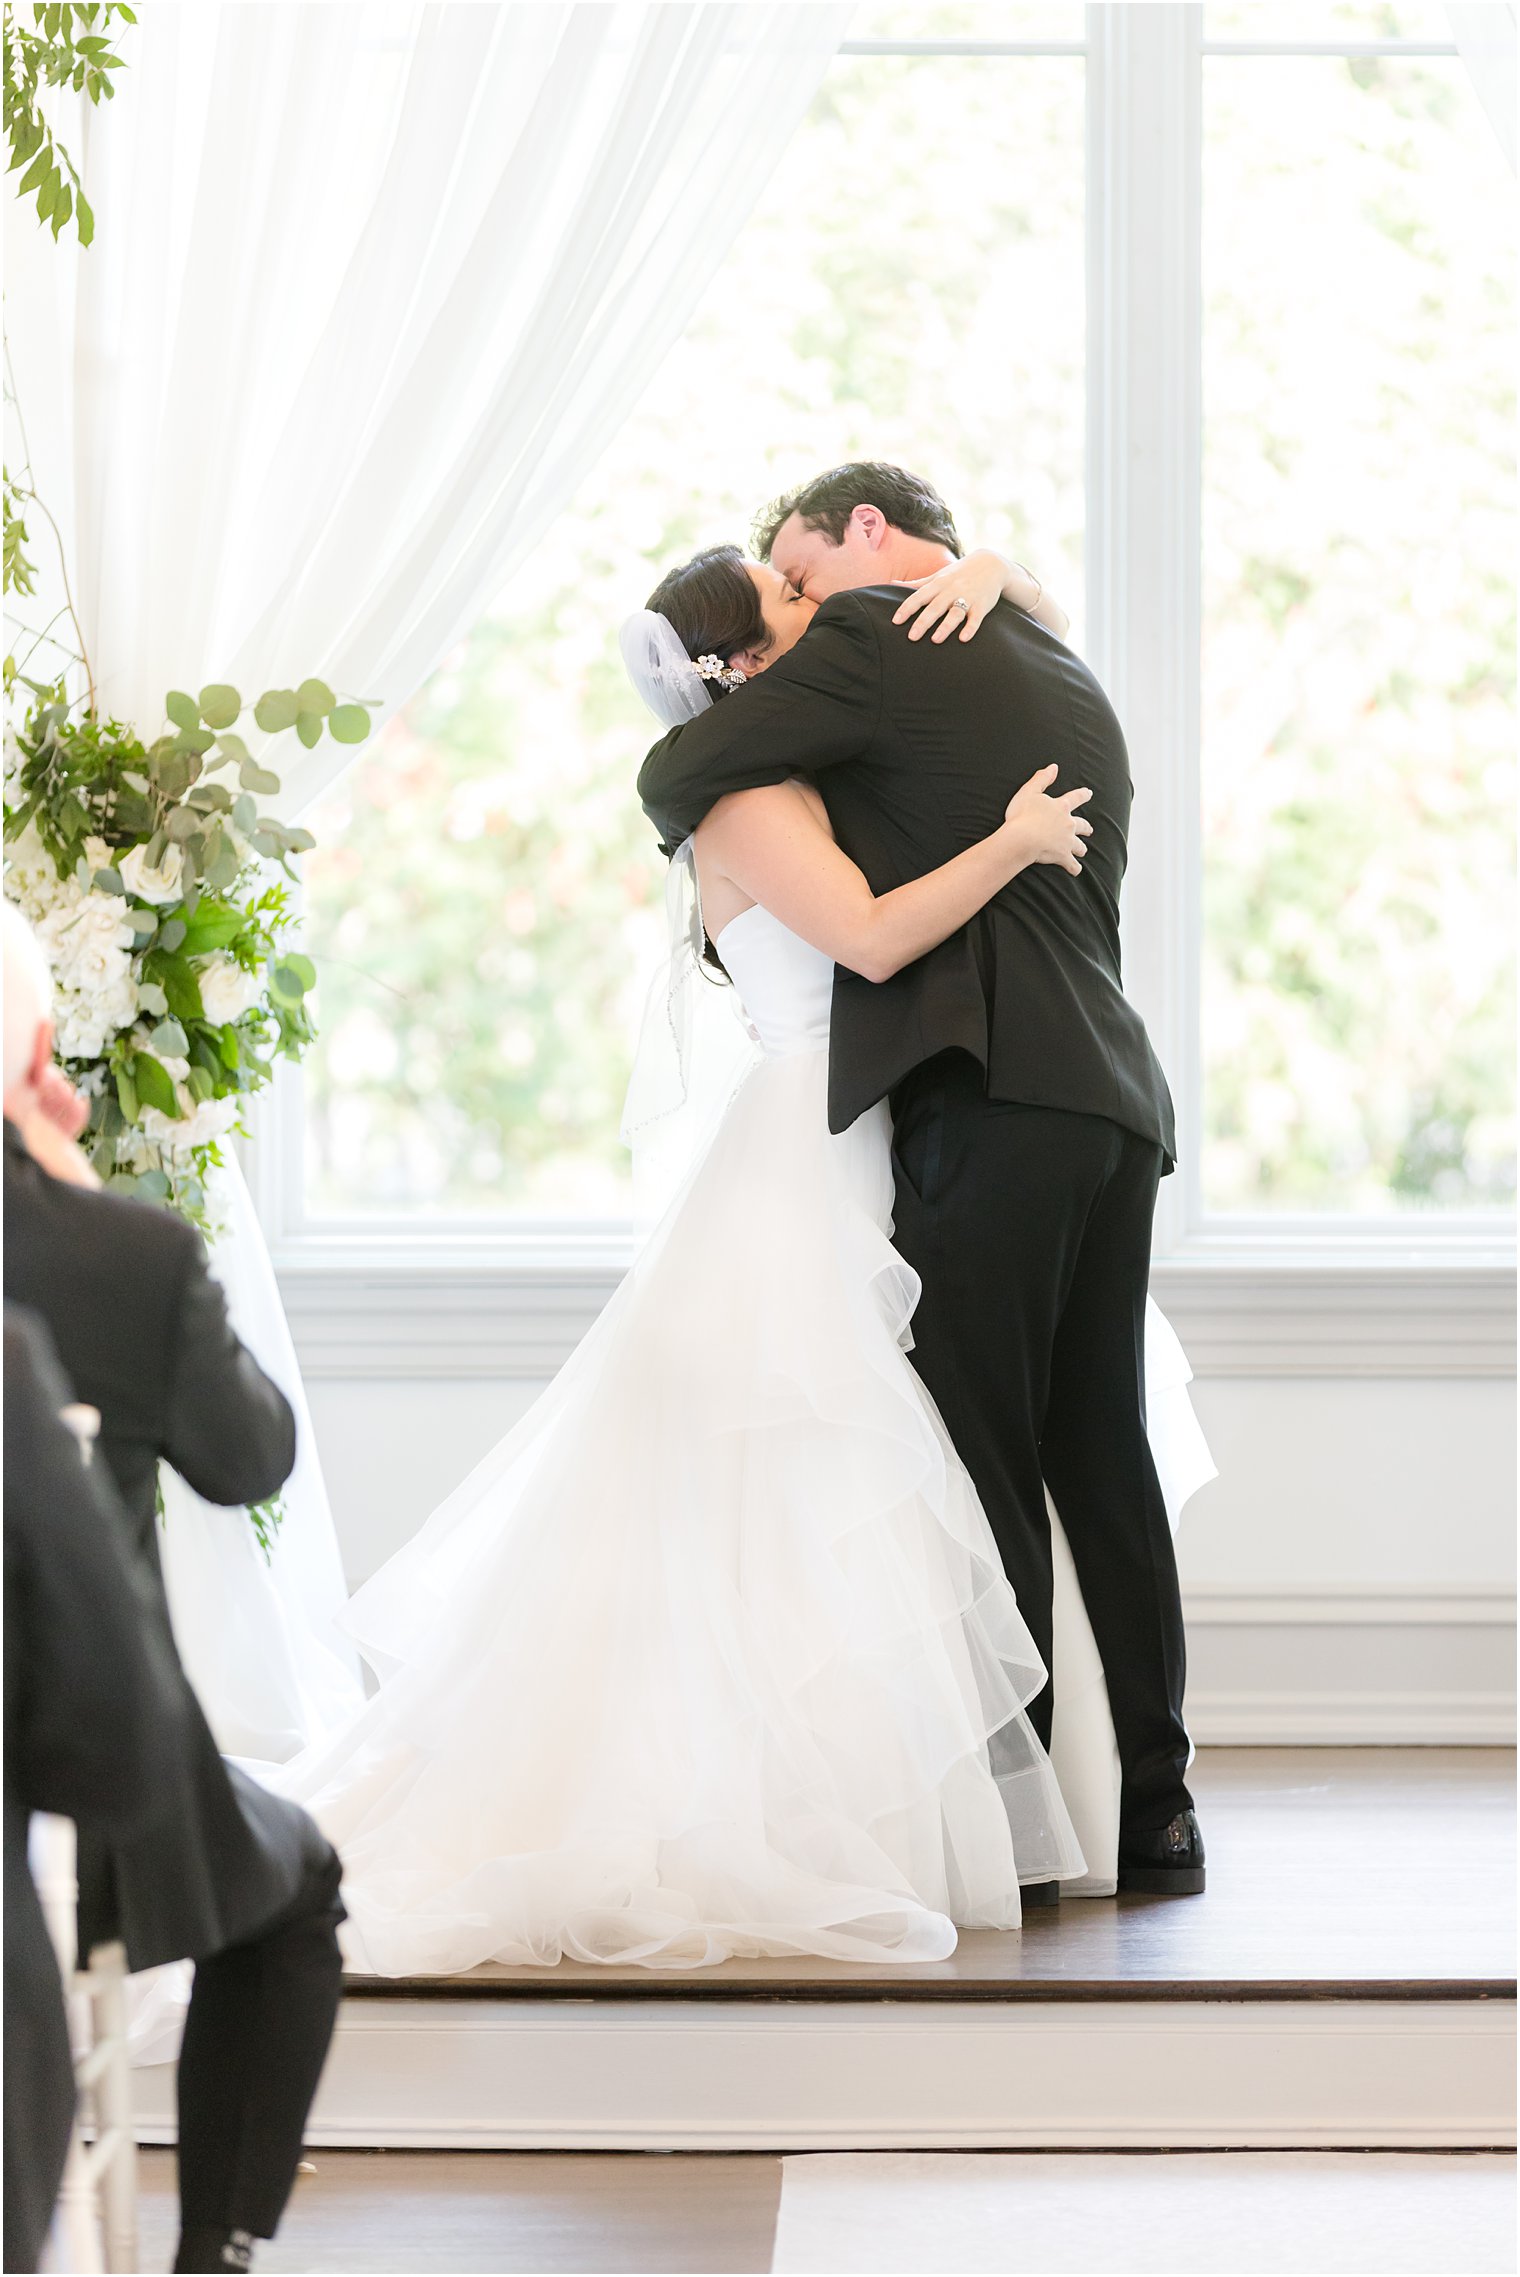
[[1484, 31], [373, 285]]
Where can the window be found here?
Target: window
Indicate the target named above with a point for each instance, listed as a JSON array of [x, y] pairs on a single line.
[[965, 262], [1357, 723], [484, 905]]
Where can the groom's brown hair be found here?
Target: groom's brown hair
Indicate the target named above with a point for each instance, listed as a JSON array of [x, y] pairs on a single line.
[[826, 503]]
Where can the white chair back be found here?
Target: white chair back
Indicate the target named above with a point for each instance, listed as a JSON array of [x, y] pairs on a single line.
[[95, 2223]]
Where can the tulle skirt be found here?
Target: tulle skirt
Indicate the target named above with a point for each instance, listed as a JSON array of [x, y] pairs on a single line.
[[713, 1655]]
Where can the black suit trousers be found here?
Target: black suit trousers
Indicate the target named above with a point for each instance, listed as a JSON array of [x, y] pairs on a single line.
[[1030, 1228], [261, 2016]]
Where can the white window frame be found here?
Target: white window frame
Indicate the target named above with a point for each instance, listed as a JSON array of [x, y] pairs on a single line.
[[1301, 1295]]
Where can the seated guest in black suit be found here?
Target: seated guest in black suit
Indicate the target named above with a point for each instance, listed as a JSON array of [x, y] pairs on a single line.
[[233, 1878], [93, 1730]]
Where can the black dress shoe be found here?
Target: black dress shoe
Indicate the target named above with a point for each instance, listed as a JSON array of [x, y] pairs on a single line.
[[1032, 1894], [208, 2250], [1165, 1863]]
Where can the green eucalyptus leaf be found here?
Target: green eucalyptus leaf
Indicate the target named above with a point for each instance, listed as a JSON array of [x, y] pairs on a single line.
[[348, 723], [223, 866], [309, 729], [210, 798], [299, 841], [122, 1182], [151, 998], [155, 1086], [303, 968], [276, 710], [315, 696], [287, 981], [170, 1039], [184, 823], [156, 845], [134, 817], [195, 740], [109, 881], [219, 704], [172, 934], [245, 814], [230, 748], [182, 709], [153, 1186], [269, 843], [175, 772], [252, 777]]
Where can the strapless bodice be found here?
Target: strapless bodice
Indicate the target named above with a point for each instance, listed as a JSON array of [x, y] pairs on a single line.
[[785, 985]]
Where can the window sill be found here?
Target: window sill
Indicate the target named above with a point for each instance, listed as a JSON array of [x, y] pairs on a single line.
[[465, 1303]]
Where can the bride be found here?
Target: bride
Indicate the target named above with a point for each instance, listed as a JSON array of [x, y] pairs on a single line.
[[713, 1654]]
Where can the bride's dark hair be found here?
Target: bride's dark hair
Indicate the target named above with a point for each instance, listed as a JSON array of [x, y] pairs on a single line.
[[711, 603]]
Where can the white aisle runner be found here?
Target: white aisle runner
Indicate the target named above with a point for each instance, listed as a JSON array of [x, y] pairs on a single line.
[[1293, 2214]]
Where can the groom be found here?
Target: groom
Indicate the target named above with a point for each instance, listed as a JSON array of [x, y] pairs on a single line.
[[1031, 1121]]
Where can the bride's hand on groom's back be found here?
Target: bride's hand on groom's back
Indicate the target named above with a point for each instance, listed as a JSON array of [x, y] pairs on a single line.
[[1049, 829], [956, 599]]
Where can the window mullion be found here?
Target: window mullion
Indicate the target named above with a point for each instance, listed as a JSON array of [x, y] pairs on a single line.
[[1144, 459]]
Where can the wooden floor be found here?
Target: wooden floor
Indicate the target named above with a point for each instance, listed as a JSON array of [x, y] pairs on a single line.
[[1347, 1873], [482, 2211], [1359, 1872]]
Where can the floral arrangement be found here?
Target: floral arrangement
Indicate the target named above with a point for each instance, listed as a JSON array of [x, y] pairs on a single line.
[[149, 873]]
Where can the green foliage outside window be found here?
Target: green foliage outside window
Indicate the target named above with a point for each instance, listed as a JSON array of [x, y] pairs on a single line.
[[483, 908]]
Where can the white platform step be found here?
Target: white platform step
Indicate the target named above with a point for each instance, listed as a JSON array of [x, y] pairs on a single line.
[[710, 2074]]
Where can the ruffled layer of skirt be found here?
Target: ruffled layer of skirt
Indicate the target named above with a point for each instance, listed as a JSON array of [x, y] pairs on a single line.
[[713, 1655]]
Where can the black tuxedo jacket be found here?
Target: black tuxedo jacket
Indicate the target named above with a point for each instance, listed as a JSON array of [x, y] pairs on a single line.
[[92, 1730], [917, 751], [142, 1332]]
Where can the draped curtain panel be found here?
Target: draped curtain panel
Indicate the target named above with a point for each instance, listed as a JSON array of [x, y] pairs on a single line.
[[372, 287]]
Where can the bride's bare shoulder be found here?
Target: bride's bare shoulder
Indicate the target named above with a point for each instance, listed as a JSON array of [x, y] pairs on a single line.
[[742, 811]]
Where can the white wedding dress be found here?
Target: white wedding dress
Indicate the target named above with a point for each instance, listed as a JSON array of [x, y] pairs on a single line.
[[713, 1655]]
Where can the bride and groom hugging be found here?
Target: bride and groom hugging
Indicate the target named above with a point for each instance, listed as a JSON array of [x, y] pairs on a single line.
[[739, 1642]]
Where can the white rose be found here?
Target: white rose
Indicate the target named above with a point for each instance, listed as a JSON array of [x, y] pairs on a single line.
[[227, 991], [83, 1025], [88, 943], [212, 1119], [32, 880], [160, 883]]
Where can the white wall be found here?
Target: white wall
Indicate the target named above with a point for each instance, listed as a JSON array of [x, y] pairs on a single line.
[[1349, 1576]]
